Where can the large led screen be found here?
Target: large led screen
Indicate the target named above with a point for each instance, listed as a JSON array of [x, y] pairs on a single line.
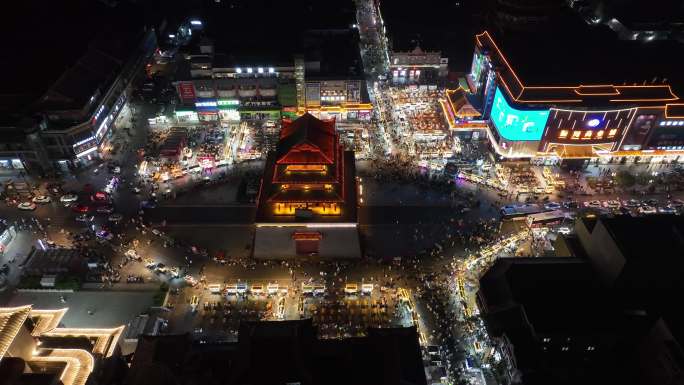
[[514, 124]]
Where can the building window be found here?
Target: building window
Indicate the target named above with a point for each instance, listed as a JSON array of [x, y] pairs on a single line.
[[576, 134], [563, 134], [587, 135], [612, 132], [599, 134]]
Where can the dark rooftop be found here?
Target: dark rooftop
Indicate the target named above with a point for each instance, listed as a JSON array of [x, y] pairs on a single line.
[[280, 352], [437, 25], [636, 13], [581, 54], [50, 37], [548, 289], [562, 299], [276, 29], [656, 237]]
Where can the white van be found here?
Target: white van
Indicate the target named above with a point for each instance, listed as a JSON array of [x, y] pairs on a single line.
[[319, 289], [231, 289], [272, 288], [214, 288], [241, 288], [351, 288], [257, 289]]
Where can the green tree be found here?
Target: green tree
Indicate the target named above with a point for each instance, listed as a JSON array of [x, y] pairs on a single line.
[[642, 178], [625, 179]]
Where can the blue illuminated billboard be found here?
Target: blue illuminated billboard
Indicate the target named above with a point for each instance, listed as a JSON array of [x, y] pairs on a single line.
[[514, 124]]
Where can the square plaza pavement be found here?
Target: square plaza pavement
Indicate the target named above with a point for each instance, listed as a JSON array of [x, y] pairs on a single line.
[[109, 308]]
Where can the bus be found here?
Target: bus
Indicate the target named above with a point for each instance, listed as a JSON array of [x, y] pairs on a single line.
[[548, 218], [519, 212]]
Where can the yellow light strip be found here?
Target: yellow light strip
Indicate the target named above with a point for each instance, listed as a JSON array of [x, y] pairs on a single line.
[[11, 321], [47, 320], [103, 336], [523, 87], [667, 116], [79, 364]]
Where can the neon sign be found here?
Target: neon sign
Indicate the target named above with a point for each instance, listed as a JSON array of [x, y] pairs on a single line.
[[514, 124]]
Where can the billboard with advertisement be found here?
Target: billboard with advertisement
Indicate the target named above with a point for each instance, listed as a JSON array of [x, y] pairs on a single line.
[[186, 91], [515, 124]]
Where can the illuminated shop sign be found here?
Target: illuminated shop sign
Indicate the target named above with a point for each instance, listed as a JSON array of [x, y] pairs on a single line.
[[514, 124], [228, 102], [98, 113], [186, 113], [477, 69], [85, 146], [208, 104]]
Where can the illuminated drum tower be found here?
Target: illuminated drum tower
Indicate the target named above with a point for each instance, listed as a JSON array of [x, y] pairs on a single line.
[[307, 201]]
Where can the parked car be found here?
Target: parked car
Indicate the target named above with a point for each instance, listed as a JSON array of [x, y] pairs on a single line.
[[68, 198], [26, 206], [631, 203], [647, 210], [552, 206], [79, 208], [564, 230], [105, 209], [85, 218], [116, 217], [667, 210], [104, 235], [41, 199]]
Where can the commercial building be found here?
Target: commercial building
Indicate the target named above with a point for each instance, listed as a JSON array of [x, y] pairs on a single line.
[[34, 349], [418, 66], [69, 124], [7, 234], [281, 352], [307, 199], [216, 87], [579, 101]]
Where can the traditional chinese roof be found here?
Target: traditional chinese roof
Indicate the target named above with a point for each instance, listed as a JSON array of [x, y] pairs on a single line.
[[307, 140]]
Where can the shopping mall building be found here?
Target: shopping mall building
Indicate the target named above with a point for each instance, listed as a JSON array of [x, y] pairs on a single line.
[[557, 101]]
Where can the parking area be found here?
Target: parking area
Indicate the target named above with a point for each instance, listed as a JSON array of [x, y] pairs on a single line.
[[350, 310]]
